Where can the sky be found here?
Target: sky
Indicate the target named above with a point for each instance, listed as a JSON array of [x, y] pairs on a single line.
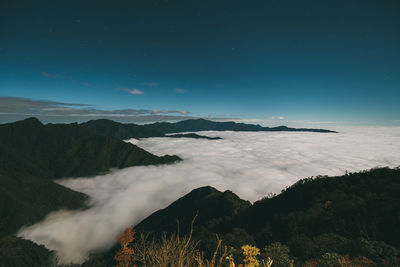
[[270, 62]]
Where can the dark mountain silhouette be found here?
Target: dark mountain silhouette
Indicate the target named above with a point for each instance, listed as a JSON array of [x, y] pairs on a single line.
[[25, 200], [196, 125], [211, 205], [193, 135], [118, 130], [125, 131], [17, 252], [66, 150]]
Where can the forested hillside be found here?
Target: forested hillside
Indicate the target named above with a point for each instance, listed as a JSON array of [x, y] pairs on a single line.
[[32, 154], [357, 214]]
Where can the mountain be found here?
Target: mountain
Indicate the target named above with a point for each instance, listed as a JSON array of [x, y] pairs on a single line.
[[124, 131], [32, 154], [356, 214], [25, 200], [17, 252], [66, 150], [196, 125], [193, 135], [211, 205], [118, 130], [356, 205]]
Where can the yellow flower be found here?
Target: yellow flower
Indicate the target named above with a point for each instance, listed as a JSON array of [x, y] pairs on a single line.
[[250, 253]]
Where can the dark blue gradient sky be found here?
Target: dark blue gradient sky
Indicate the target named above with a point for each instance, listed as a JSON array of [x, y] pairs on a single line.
[[301, 60]]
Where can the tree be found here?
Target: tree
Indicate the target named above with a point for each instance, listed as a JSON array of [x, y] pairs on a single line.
[[279, 254], [125, 254]]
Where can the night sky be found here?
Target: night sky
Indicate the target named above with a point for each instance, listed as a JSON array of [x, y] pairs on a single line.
[[269, 62]]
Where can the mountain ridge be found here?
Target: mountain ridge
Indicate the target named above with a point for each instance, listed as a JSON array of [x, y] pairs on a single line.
[[124, 131], [67, 150], [196, 125]]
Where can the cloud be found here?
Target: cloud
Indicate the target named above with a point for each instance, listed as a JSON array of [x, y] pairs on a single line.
[[251, 164], [27, 105], [179, 90], [136, 92], [16, 108], [156, 111], [133, 91], [151, 84], [55, 76], [276, 118]]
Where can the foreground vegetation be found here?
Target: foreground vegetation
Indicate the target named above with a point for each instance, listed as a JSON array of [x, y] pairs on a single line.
[[349, 220], [183, 251], [355, 216]]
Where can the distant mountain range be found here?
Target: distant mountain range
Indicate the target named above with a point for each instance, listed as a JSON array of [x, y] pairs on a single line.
[[118, 130], [125, 131], [196, 125], [192, 135]]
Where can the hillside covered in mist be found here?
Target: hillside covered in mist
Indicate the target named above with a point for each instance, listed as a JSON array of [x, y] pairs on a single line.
[[354, 215], [33, 154]]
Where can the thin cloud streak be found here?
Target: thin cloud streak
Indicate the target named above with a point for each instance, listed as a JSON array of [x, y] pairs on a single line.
[[16, 108], [132, 91], [251, 164]]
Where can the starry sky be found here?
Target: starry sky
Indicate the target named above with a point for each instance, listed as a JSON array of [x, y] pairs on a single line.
[[270, 62]]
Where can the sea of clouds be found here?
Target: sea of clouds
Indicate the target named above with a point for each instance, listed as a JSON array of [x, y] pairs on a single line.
[[251, 164]]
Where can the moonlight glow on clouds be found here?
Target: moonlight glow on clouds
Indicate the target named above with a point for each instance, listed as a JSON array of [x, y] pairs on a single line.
[[250, 164]]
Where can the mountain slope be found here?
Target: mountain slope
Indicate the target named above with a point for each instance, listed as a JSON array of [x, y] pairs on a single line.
[[25, 200], [17, 252], [356, 214], [211, 205], [195, 125], [66, 150], [31, 154], [364, 204]]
